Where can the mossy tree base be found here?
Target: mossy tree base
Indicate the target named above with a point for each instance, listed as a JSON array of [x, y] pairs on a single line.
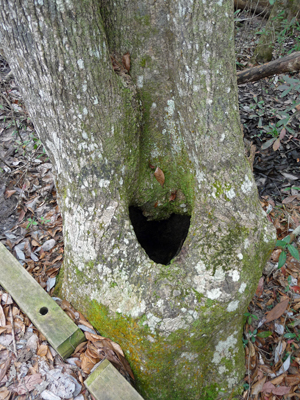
[[179, 319]]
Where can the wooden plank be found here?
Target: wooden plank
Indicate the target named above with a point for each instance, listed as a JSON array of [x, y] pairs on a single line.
[[106, 383], [61, 332]]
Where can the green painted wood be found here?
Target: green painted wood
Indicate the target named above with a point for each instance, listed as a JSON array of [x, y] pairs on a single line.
[[106, 383], [45, 314]]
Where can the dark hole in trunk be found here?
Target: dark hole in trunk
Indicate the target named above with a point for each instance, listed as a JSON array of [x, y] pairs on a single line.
[[162, 240]]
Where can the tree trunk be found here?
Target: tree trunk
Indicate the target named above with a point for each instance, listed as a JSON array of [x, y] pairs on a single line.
[[164, 235]]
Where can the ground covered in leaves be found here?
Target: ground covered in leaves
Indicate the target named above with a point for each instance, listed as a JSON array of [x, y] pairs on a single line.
[[31, 228]]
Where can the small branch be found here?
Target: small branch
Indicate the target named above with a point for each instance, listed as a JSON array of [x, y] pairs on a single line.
[[262, 9], [13, 331], [4, 162], [288, 63]]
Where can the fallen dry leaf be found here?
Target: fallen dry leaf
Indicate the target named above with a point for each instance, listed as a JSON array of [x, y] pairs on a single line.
[[9, 193], [2, 317], [173, 196], [29, 383], [260, 287], [276, 144], [87, 363], [159, 176], [42, 351], [126, 61], [277, 311], [4, 393], [92, 337], [257, 387], [289, 199]]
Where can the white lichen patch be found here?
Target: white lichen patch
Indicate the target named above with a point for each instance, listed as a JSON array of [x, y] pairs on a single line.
[[247, 185], [235, 275], [170, 325], [152, 322], [140, 81], [240, 256], [242, 287], [189, 356], [246, 243], [171, 129], [232, 306], [230, 193], [104, 183], [214, 294], [80, 63], [200, 176], [225, 349], [108, 213]]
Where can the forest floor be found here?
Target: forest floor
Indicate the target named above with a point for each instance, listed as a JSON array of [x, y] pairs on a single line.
[[31, 228]]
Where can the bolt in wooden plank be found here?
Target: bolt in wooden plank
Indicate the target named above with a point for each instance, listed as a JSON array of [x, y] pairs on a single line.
[[61, 332], [106, 383]]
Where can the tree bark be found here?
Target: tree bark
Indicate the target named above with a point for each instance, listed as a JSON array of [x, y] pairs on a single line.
[[288, 63], [155, 154]]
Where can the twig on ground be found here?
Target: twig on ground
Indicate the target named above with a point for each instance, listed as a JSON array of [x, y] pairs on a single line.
[[13, 331]]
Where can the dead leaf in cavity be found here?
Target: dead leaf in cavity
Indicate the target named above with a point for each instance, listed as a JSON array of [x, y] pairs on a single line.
[[2, 317], [126, 61], [159, 176], [257, 387], [173, 196], [276, 144], [260, 287], [156, 204], [42, 350], [275, 255], [277, 311], [9, 193]]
